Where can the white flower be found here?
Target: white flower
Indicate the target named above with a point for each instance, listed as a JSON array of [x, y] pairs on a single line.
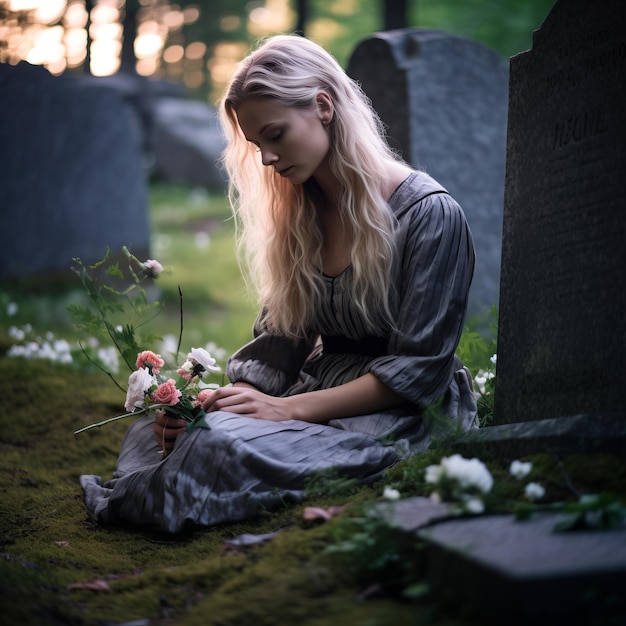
[[433, 473], [481, 379], [169, 344], [467, 472], [391, 494], [187, 367], [474, 505], [494, 359], [520, 470], [534, 491], [109, 358], [16, 333], [12, 308], [138, 383], [203, 358]]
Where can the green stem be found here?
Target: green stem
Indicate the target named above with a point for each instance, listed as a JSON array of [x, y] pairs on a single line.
[[119, 417]]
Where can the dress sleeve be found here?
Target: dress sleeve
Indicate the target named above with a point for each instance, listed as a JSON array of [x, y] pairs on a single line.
[[269, 362], [434, 273]]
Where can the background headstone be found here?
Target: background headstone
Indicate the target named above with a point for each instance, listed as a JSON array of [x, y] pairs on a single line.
[[562, 312], [72, 178], [187, 143], [444, 101]]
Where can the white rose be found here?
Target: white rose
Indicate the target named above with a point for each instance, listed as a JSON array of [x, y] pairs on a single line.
[[138, 383], [203, 358]]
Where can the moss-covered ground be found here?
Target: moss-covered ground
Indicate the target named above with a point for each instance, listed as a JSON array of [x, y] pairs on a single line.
[[50, 548]]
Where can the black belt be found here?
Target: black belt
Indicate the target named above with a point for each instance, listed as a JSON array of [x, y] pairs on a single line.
[[368, 346]]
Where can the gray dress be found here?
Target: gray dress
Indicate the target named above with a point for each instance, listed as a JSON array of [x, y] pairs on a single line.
[[242, 465]]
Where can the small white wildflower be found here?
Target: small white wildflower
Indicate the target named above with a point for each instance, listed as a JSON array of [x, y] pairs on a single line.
[[215, 350], [16, 333], [467, 472], [109, 357], [474, 506], [391, 494], [534, 491], [202, 240], [169, 344], [435, 497], [12, 309], [27, 328], [494, 359], [481, 379], [520, 470], [433, 473]]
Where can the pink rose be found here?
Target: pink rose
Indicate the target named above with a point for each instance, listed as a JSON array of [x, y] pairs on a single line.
[[153, 267], [148, 359], [166, 393], [183, 374], [205, 394]]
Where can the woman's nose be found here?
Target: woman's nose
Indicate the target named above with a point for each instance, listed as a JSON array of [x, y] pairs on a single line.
[[268, 157]]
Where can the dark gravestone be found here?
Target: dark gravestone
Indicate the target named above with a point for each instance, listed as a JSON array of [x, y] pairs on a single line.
[[72, 180], [562, 312], [444, 101]]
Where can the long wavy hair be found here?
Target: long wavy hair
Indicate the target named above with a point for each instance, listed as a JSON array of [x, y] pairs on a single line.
[[278, 227]]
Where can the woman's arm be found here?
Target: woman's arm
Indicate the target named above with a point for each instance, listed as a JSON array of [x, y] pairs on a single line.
[[361, 396]]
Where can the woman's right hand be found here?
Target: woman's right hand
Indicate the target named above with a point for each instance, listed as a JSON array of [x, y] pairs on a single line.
[[167, 429]]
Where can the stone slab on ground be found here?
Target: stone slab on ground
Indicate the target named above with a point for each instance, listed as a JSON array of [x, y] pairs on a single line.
[[510, 571], [519, 571]]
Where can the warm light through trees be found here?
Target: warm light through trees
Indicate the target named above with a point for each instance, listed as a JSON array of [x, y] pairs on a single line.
[[88, 35], [198, 42]]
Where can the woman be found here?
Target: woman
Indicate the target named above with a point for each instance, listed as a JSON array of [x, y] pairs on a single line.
[[363, 267]]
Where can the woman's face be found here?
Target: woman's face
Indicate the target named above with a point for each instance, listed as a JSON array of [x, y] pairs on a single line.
[[294, 141]]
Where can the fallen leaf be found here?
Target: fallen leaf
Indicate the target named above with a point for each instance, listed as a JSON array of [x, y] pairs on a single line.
[[63, 544], [315, 512]]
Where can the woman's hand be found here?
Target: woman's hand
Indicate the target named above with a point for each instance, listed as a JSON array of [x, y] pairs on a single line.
[[167, 429], [248, 401]]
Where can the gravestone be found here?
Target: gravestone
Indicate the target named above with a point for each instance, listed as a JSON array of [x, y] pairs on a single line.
[[72, 179], [562, 312], [443, 99]]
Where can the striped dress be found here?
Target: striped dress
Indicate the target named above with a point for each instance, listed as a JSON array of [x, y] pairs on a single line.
[[242, 465]]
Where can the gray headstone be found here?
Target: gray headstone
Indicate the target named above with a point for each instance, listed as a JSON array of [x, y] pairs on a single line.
[[187, 143], [562, 312], [72, 179], [444, 101]]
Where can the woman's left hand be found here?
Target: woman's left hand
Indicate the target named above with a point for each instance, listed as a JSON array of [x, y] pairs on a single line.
[[249, 402]]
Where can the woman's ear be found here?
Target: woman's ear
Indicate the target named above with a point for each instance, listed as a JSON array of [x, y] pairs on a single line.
[[325, 107]]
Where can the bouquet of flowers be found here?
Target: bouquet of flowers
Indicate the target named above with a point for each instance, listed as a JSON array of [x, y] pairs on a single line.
[[148, 387]]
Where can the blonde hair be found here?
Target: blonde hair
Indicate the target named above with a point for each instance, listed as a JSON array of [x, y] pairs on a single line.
[[278, 228]]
